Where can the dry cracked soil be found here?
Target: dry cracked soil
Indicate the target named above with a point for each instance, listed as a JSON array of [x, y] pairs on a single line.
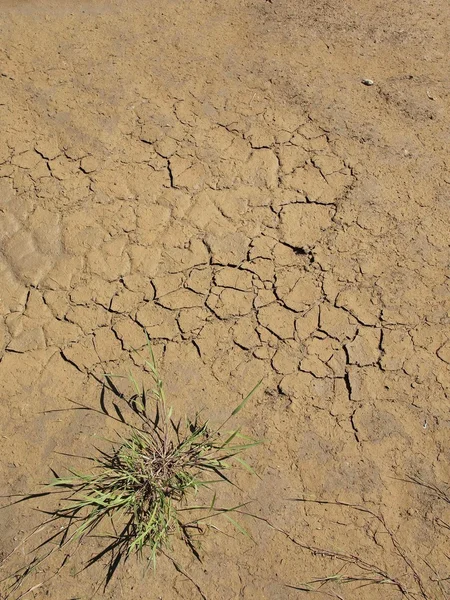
[[216, 174]]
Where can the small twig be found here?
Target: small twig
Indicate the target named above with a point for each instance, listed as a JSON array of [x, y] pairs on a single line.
[[347, 558], [439, 493]]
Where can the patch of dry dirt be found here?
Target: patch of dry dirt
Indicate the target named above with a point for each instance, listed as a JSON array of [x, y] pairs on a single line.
[[216, 173]]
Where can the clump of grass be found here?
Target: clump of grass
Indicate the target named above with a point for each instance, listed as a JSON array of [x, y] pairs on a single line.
[[141, 492]]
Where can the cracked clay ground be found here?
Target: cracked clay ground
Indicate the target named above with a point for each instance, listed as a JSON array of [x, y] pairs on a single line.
[[216, 173]]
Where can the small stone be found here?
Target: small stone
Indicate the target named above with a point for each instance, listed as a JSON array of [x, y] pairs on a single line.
[[367, 82]]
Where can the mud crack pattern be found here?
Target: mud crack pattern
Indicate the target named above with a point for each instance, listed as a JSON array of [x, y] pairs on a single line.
[[252, 233]]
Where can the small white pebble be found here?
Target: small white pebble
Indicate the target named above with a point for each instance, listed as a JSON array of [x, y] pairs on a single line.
[[367, 82]]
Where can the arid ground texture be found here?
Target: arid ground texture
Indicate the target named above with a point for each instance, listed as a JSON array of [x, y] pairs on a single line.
[[218, 175]]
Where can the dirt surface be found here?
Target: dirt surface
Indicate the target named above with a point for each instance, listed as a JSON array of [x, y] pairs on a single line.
[[217, 173]]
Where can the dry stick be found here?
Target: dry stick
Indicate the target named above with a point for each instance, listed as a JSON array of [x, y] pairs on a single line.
[[306, 588], [350, 558], [20, 578], [442, 523], [37, 529], [437, 579], [318, 591], [363, 564], [440, 495], [430, 486], [42, 583], [379, 518]]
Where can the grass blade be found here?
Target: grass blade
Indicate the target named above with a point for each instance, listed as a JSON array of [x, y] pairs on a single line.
[[246, 399], [140, 492]]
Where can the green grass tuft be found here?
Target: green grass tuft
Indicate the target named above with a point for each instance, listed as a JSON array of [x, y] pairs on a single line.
[[141, 493]]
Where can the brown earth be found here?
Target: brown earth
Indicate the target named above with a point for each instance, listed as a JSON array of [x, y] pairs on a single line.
[[217, 173]]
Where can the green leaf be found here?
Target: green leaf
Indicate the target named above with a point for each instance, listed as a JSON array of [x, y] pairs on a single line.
[[232, 436], [150, 349], [246, 466], [67, 483], [238, 526], [135, 383], [246, 399]]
